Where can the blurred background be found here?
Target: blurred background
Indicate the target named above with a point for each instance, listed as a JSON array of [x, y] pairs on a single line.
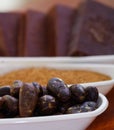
[[44, 5], [23, 5]]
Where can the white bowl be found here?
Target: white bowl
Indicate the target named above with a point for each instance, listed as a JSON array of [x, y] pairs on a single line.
[[9, 64], [60, 122], [78, 121]]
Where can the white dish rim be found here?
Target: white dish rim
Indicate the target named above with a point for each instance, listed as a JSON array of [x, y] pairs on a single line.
[[66, 59]]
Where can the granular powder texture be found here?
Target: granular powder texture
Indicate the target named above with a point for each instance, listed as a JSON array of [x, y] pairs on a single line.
[[42, 75]]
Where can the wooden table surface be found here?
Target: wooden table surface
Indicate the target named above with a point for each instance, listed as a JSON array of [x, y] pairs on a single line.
[[106, 120]]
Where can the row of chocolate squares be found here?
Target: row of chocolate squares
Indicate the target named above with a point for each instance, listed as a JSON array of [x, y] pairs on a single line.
[[63, 31]]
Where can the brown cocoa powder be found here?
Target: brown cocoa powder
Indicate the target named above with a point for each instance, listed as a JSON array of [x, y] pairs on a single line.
[[42, 75]]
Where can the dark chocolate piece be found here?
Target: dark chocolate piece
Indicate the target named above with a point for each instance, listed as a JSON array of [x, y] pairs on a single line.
[[3, 51], [9, 23], [36, 29], [93, 31], [21, 36], [60, 20]]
